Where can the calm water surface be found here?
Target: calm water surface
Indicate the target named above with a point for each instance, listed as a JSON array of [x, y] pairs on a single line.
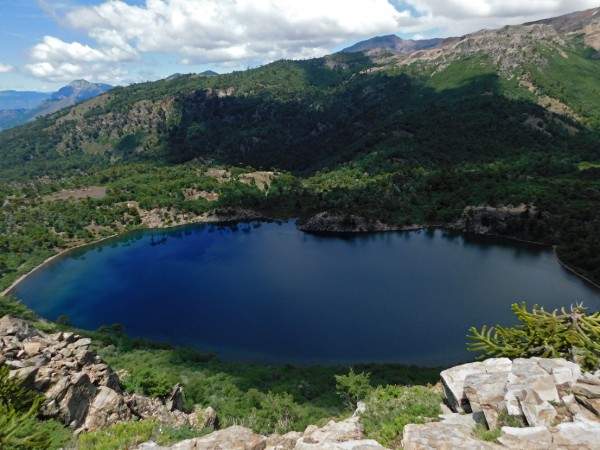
[[266, 292]]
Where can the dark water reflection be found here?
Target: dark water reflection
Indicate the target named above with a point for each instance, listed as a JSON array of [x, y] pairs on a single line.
[[266, 292]]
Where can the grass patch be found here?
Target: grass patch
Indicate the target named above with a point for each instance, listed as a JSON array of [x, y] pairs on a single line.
[[128, 435], [585, 165], [481, 432]]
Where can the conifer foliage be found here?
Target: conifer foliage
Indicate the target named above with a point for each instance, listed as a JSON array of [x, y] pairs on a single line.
[[572, 334], [18, 408]]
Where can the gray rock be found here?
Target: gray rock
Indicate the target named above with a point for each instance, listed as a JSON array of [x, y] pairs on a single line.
[[576, 435], [210, 418], [82, 342], [590, 378], [234, 438], [438, 436], [485, 392], [175, 400], [592, 404], [333, 432], [586, 390], [107, 408], [285, 442], [565, 373], [11, 326], [27, 374], [468, 421], [537, 412], [453, 379], [532, 438]]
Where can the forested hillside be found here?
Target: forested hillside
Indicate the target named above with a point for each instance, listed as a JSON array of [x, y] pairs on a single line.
[[496, 118]]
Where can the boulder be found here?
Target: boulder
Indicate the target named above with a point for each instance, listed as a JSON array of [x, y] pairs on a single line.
[[19, 328], [175, 399], [344, 435], [576, 435], [107, 408], [233, 438], [531, 438], [444, 436], [453, 379], [285, 442], [468, 421], [211, 420], [485, 392], [592, 404], [586, 390], [537, 412]]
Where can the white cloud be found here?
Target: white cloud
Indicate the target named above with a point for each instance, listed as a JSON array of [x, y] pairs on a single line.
[[61, 72], [458, 17], [237, 33], [55, 50], [5, 68], [220, 31]]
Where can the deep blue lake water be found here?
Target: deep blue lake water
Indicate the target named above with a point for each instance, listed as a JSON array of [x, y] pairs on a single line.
[[268, 293]]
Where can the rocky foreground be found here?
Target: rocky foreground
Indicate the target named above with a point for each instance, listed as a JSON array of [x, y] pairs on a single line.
[[537, 403], [82, 391]]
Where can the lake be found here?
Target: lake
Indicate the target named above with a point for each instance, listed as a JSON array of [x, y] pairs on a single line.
[[268, 293]]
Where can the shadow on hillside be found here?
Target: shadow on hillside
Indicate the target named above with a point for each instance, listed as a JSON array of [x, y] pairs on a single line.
[[331, 123]]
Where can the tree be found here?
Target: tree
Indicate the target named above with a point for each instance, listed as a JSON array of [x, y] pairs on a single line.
[[353, 387], [18, 407], [573, 335]]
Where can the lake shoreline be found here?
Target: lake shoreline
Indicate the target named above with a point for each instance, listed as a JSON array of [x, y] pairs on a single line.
[[247, 215], [242, 215], [573, 271]]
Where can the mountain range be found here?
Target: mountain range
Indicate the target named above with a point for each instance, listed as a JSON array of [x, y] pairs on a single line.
[[18, 107], [394, 44]]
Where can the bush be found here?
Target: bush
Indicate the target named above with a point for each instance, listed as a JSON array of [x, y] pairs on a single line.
[[127, 435], [390, 408], [353, 387], [278, 413]]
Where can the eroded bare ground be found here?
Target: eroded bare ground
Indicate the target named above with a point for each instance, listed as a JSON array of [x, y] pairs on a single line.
[[262, 179], [194, 194], [77, 194], [221, 175]]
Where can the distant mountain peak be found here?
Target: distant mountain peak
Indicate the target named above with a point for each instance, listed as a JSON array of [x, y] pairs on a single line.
[[80, 90], [570, 22], [27, 106], [393, 43]]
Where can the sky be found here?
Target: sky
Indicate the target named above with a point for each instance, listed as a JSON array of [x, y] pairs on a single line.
[[45, 44]]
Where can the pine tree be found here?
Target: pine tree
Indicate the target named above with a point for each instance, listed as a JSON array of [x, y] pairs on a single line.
[[573, 335], [18, 407]]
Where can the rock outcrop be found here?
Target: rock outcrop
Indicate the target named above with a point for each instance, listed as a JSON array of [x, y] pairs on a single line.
[[485, 219], [344, 435], [82, 391], [348, 223], [554, 404]]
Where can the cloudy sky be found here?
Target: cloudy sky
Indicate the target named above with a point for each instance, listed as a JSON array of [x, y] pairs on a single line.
[[47, 43]]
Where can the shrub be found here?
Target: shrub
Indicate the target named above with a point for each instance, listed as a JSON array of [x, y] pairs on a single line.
[[390, 408], [353, 387], [128, 435]]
